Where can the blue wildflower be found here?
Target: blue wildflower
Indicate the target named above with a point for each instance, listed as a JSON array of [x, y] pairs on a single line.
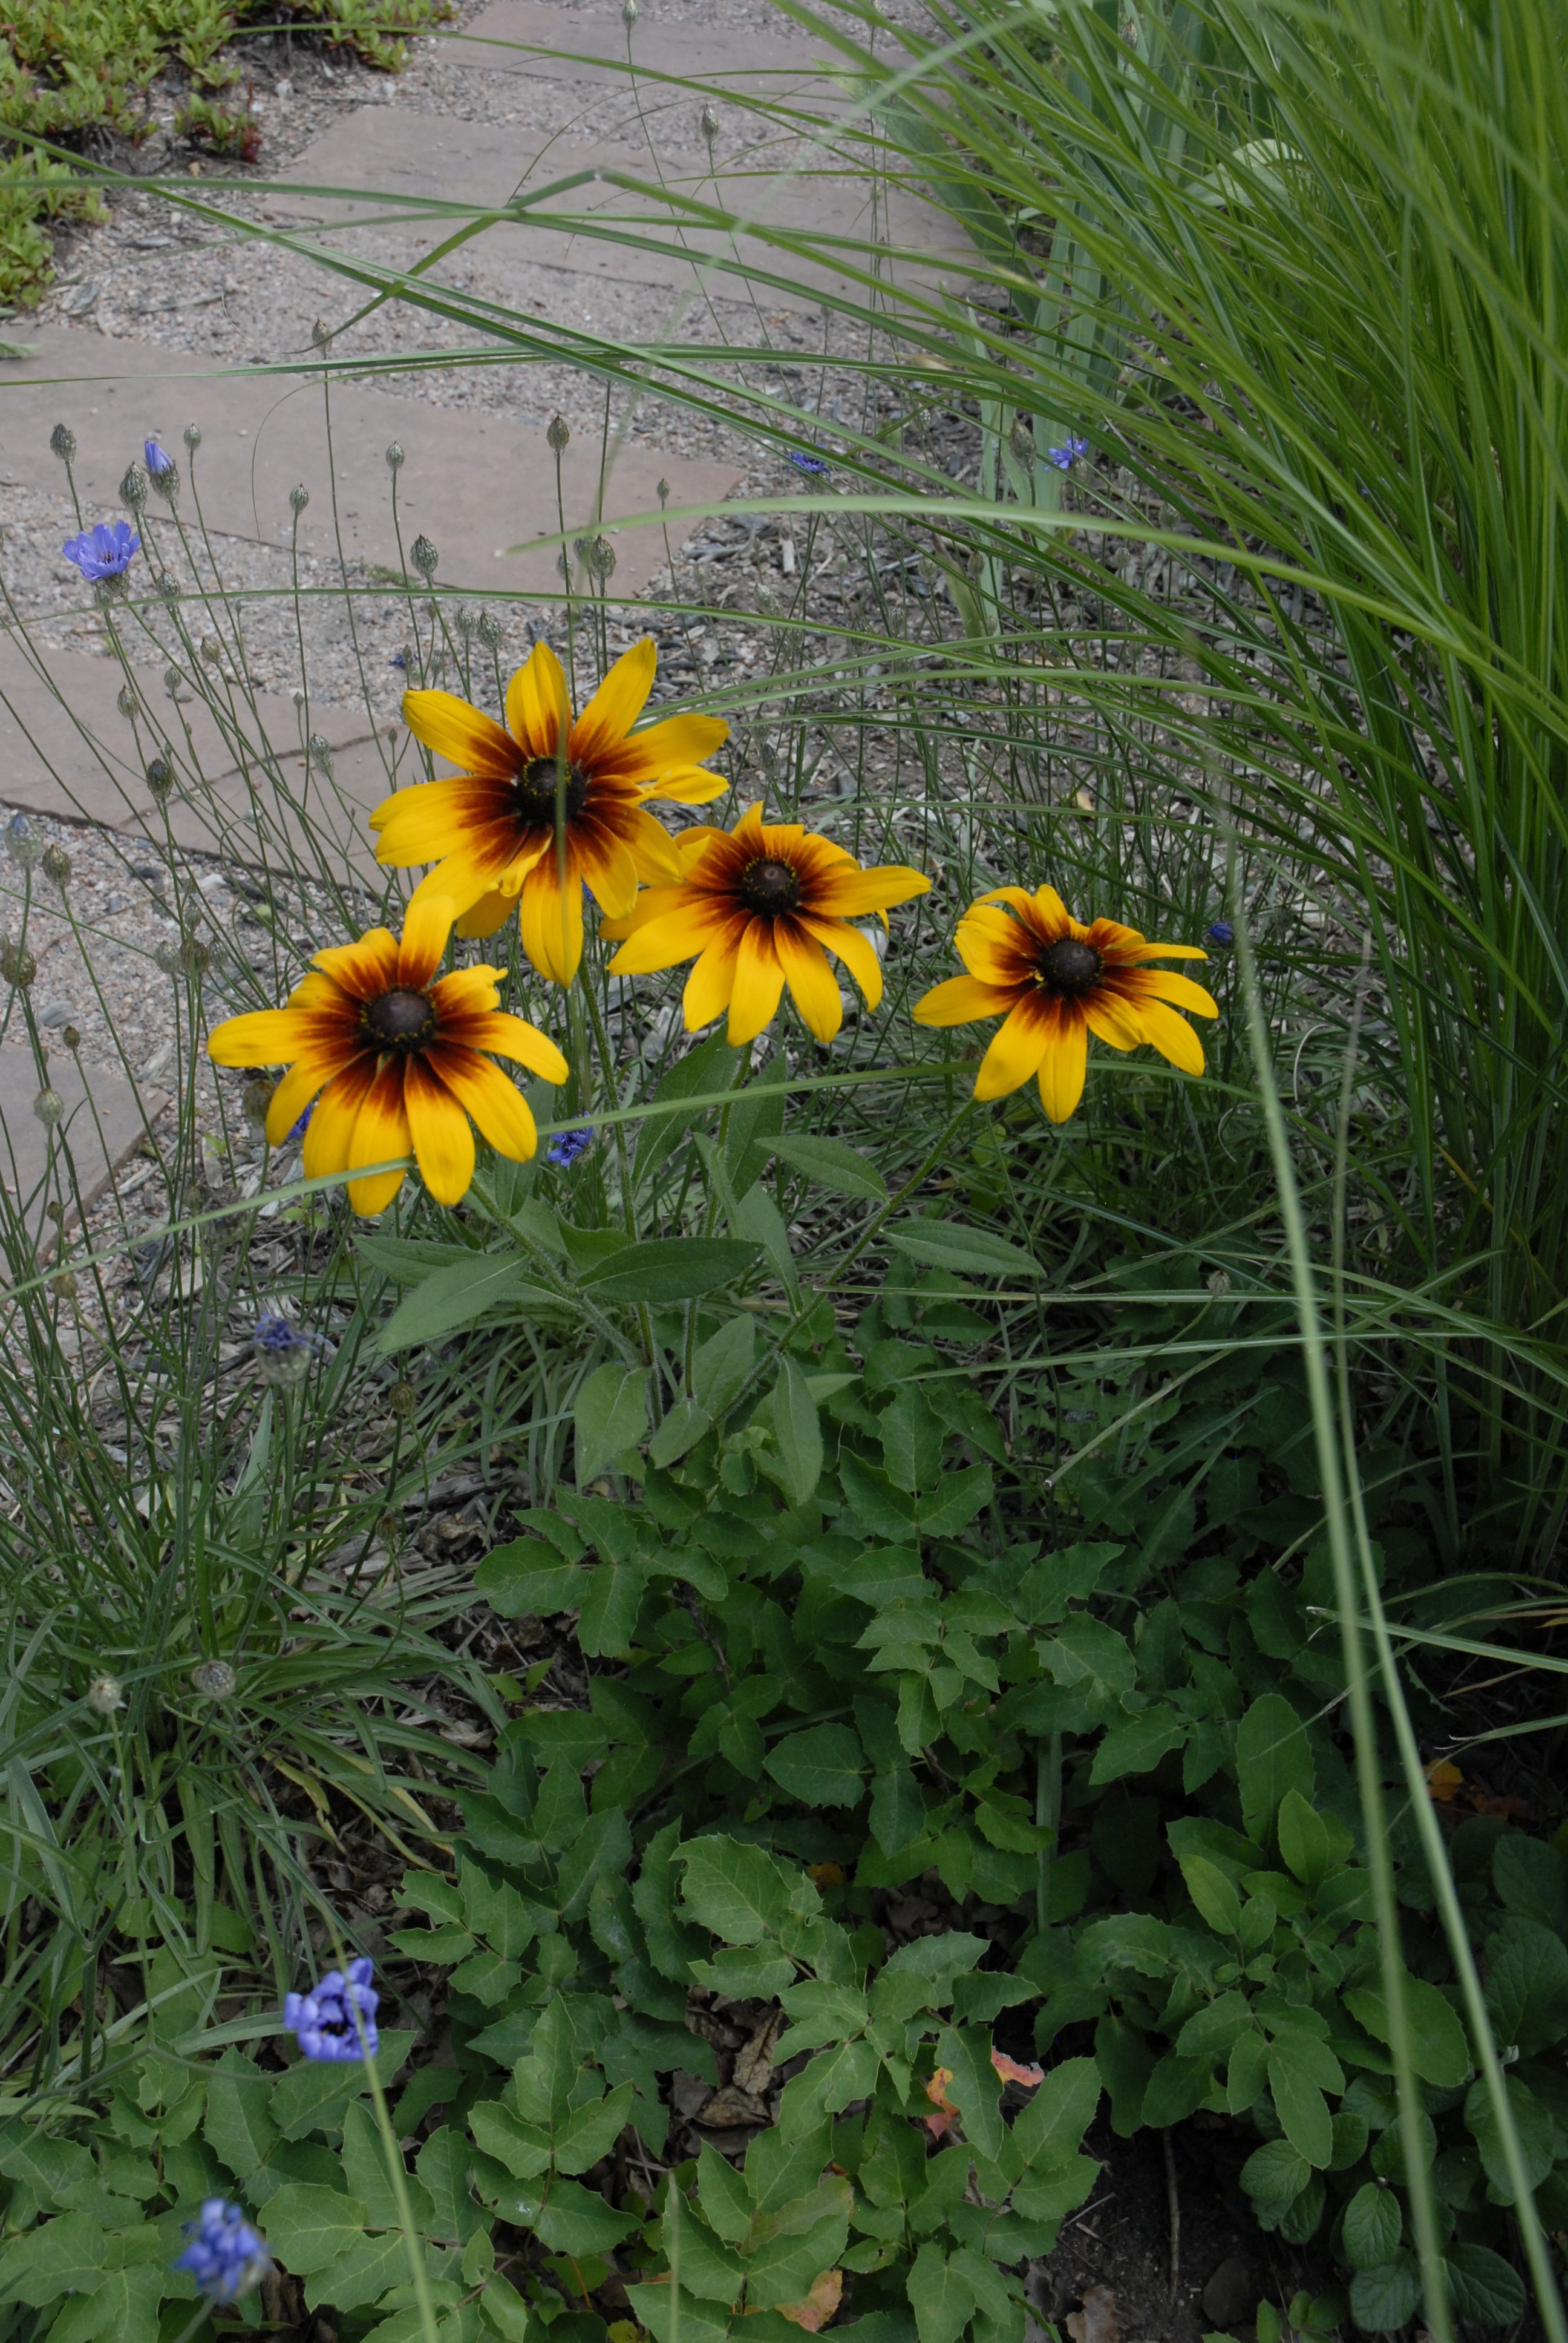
[[226, 2255], [568, 1145], [103, 551], [302, 1126], [283, 1351], [804, 463], [159, 462], [1065, 457], [1222, 932], [398, 658], [336, 2021]]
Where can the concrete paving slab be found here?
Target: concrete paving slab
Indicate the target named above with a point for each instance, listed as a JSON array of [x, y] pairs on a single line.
[[65, 751], [513, 36], [103, 1122], [485, 164], [475, 482]]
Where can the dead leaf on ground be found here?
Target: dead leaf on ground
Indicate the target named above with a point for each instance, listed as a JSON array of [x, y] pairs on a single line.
[[730, 2106], [819, 2305], [1097, 2321], [753, 2068]]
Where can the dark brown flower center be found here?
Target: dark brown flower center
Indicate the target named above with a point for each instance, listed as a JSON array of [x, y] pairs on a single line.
[[1069, 966], [537, 786], [403, 1020], [768, 885]]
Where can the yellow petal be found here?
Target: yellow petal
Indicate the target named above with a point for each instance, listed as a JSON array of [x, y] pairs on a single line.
[[496, 1105], [857, 951], [429, 818], [1164, 984], [484, 917], [550, 918], [1062, 1068], [380, 1135], [962, 1000], [653, 849], [688, 740], [365, 968], [505, 1036], [466, 993], [1113, 1019], [995, 947], [813, 987], [662, 943], [758, 983], [712, 978], [427, 924], [264, 1037], [688, 785], [330, 1130], [1173, 1037], [849, 894], [616, 705], [539, 705], [297, 1087], [609, 869], [1015, 1052], [443, 1141], [465, 736]]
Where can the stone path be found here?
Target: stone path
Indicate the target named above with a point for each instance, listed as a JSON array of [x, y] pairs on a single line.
[[481, 113]]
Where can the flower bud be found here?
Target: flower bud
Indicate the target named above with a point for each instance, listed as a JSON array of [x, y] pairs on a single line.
[[394, 457], [1219, 1283], [598, 559], [255, 1100], [402, 1399], [168, 956], [195, 958], [215, 1680], [211, 650], [168, 586], [664, 493], [283, 1353], [318, 751], [63, 443], [126, 700], [160, 775], [57, 866], [708, 122], [173, 680], [321, 335], [67, 1454], [426, 558], [1020, 438], [50, 1108], [557, 435], [192, 436], [162, 470], [72, 1039], [298, 498], [390, 1530], [105, 1696], [17, 965], [22, 843], [492, 634], [628, 14], [133, 488], [64, 1284], [465, 621]]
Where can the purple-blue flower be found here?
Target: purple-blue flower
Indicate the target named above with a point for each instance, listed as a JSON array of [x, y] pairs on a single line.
[[568, 1145], [1064, 458], [283, 1351], [302, 1125], [804, 463], [336, 2021], [226, 2255], [1222, 932], [158, 460], [103, 550]]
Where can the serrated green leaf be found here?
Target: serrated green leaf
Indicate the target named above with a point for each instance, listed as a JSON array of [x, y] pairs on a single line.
[[1137, 1745], [1385, 2297], [238, 2125], [1059, 2113], [666, 1270], [1371, 2228], [577, 2220], [361, 2273], [610, 1415], [1438, 2049], [828, 1163], [307, 2226], [446, 1299], [1275, 2173], [65, 2255], [1303, 1839], [1486, 2290], [822, 1766], [737, 1891], [970, 1253], [123, 2306], [942, 2295], [527, 1580], [798, 1434]]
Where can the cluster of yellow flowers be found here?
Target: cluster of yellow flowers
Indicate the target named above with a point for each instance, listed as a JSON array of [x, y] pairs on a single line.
[[400, 1062]]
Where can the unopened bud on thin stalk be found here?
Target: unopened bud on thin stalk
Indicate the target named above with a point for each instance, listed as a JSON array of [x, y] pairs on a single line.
[[57, 866], [71, 1040], [126, 700], [492, 634], [426, 558], [211, 650], [215, 1680], [22, 843], [558, 433], [664, 494], [105, 1696], [192, 436], [710, 122], [628, 14], [393, 458], [160, 777], [162, 470], [63, 443], [321, 333], [50, 1108], [133, 488], [1020, 438], [298, 498], [318, 751]]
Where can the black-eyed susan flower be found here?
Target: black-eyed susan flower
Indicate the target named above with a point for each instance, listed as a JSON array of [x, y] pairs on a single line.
[[492, 833], [401, 1060], [1056, 981], [761, 906]]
